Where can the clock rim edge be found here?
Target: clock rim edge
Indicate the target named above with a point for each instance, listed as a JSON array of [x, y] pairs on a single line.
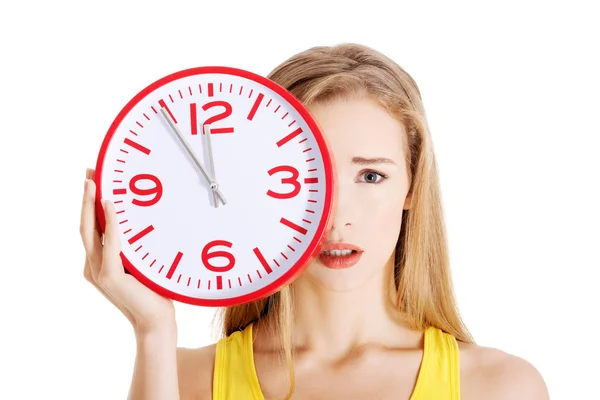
[[325, 222]]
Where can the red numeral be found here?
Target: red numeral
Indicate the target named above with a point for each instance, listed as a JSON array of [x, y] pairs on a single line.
[[193, 119], [156, 190], [207, 255], [293, 180], [218, 117], [213, 119]]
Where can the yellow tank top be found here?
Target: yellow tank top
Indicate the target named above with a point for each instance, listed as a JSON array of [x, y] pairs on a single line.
[[235, 375]]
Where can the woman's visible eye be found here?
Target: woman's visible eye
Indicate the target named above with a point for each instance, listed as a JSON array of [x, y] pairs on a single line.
[[371, 176]]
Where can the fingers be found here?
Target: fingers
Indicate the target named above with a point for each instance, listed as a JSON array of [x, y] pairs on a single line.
[[112, 265], [91, 174], [92, 237], [89, 230]]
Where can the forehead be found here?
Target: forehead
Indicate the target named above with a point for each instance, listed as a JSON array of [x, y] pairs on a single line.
[[360, 127]]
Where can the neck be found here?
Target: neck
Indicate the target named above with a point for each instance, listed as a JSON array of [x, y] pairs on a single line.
[[334, 323]]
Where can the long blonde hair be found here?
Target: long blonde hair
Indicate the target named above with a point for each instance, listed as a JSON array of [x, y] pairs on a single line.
[[422, 275]]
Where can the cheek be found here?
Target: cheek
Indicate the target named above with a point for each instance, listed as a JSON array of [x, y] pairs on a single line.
[[376, 224], [380, 225]]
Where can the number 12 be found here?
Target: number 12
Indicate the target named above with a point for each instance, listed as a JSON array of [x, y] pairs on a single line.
[[218, 117]]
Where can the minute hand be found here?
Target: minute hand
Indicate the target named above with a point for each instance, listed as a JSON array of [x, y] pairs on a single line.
[[213, 184]]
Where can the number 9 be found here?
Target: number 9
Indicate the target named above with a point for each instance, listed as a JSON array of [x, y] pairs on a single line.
[[156, 190]]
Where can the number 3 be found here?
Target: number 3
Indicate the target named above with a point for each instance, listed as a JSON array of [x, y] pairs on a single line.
[[293, 180]]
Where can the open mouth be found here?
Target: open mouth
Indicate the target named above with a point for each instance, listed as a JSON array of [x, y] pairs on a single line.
[[338, 253], [340, 259]]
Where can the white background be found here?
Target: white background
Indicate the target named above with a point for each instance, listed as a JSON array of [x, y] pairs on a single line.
[[512, 96]]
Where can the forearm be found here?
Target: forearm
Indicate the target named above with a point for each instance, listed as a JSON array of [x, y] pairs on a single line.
[[155, 370]]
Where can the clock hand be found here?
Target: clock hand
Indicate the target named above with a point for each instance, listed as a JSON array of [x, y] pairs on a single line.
[[211, 164], [213, 184]]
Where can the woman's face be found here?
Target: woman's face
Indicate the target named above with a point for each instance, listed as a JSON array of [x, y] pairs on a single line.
[[372, 183]]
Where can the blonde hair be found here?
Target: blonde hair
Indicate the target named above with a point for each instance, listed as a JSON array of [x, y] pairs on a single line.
[[422, 275]]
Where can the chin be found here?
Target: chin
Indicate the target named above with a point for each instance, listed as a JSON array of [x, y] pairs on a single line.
[[341, 279]]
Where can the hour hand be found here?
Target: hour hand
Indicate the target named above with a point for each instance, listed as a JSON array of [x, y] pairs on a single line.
[[209, 179], [211, 163]]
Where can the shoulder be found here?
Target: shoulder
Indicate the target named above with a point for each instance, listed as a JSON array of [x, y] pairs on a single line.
[[195, 372], [494, 374]]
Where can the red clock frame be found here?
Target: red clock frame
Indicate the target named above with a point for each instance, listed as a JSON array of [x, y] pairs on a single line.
[[325, 222]]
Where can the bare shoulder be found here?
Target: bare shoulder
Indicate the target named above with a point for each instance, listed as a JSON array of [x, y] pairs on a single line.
[[493, 374], [195, 372]]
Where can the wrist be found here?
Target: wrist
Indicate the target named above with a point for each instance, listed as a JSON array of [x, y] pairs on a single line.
[[164, 332]]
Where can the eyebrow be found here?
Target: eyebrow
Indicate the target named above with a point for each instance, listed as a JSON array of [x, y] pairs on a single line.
[[369, 161]]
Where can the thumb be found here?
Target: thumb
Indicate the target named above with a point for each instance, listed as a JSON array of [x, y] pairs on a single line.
[[112, 240]]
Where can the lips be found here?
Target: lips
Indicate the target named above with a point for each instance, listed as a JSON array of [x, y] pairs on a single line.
[[335, 261], [340, 246]]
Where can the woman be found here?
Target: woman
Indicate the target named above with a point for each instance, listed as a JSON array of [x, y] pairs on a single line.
[[384, 327]]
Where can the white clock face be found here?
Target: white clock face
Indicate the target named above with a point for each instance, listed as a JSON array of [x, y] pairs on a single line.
[[272, 168]]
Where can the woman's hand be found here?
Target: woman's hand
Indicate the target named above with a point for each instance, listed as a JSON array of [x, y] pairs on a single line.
[[146, 310]]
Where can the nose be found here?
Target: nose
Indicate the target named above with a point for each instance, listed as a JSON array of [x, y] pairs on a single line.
[[347, 211]]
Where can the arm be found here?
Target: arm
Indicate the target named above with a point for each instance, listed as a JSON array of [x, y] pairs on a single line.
[[151, 315], [155, 370]]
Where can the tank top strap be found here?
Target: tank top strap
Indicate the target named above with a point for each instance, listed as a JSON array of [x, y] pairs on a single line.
[[234, 376], [439, 375]]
